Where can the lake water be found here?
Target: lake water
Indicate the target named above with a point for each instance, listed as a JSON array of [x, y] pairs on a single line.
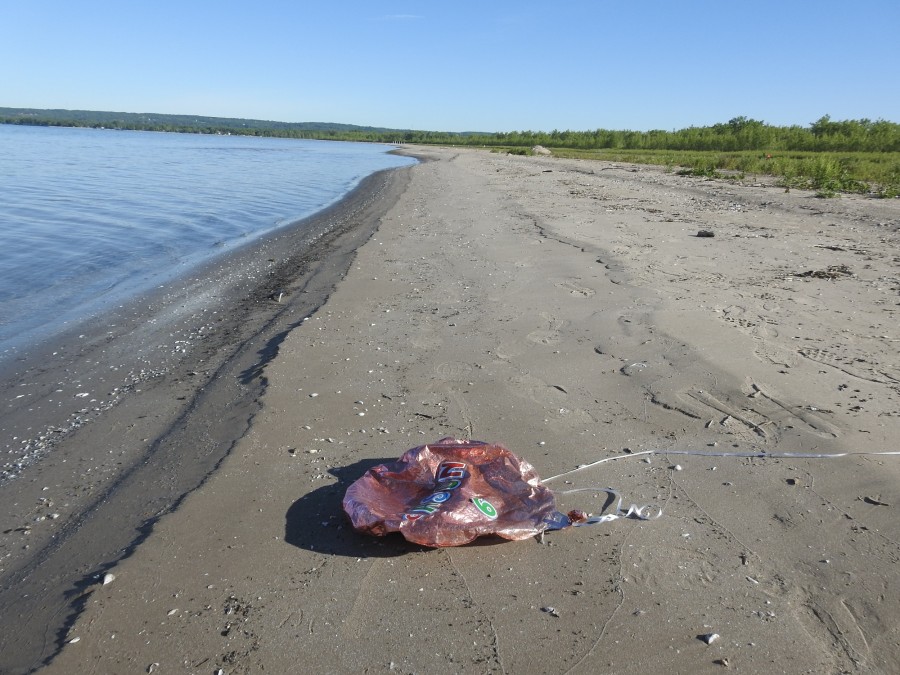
[[89, 217]]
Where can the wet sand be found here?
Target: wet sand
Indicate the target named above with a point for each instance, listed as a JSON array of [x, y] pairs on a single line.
[[568, 310]]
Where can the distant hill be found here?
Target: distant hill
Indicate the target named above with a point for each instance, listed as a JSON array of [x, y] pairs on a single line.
[[126, 120]]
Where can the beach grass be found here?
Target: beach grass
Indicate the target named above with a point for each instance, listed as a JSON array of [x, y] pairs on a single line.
[[828, 173]]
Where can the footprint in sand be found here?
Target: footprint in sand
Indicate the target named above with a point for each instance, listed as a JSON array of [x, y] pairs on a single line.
[[737, 316], [742, 419], [853, 367], [453, 370], [767, 326], [846, 629], [692, 563], [763, 329], [552, 397], [780, 411], [426, 340], [550, 334], [512, 348], [426, 336], [767, 416], [577, 289], [767, 352]]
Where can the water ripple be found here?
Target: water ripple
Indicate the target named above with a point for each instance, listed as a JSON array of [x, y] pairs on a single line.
[[89, 216]]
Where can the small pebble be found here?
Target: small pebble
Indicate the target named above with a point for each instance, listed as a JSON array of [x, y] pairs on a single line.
[[677, 467]]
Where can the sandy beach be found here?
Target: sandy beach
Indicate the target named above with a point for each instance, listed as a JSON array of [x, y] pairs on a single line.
[[567, 310]]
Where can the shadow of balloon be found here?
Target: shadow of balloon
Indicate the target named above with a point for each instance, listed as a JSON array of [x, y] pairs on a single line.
[[317, 522]]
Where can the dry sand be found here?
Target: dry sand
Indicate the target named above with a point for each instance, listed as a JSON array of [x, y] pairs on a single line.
[[567, 310]]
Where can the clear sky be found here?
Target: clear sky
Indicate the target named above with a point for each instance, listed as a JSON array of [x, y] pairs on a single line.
[[491, 65]]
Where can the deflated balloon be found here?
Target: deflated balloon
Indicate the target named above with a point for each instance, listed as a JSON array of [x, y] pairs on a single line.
[[450, 492]]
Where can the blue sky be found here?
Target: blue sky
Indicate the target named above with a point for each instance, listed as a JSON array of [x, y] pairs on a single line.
[[492, 65]]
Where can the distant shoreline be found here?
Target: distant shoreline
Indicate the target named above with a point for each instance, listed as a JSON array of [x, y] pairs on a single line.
[[829, 156]]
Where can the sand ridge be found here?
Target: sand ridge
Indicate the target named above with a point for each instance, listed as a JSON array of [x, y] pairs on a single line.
[[567, 310]]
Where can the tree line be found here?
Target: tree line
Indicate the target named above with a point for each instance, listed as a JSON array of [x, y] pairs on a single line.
[[738, 134]]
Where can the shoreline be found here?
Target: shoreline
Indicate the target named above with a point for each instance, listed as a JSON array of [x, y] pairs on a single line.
[[568, 310], [152, 332], [154, 371]]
